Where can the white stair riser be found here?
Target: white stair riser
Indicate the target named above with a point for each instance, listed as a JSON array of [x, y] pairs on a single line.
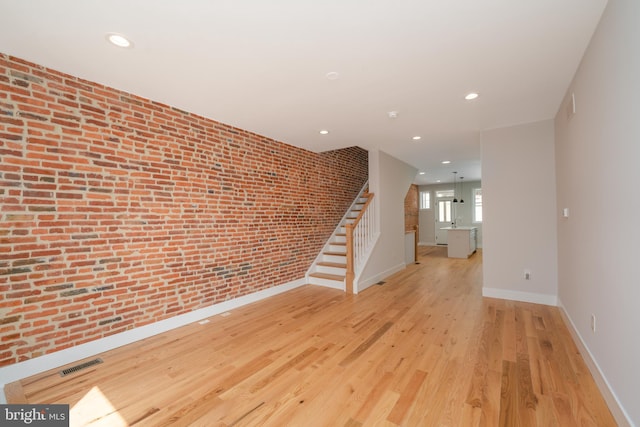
[[340, 239], [334, 258], [337, 248], [339, 271], [326, 282]]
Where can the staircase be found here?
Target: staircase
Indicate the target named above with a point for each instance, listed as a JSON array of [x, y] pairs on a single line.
[[330, 267]]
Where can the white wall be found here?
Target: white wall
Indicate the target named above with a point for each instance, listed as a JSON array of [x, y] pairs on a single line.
[[519, 209], [389, 180], [427, 217], [598, 169]]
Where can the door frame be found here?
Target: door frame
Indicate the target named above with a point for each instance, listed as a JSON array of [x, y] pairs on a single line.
[[438, 225]]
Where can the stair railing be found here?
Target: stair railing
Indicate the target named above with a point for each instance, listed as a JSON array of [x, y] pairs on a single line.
[[360, 238]]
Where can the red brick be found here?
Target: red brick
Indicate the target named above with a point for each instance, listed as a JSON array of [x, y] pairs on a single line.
[[169, 199]]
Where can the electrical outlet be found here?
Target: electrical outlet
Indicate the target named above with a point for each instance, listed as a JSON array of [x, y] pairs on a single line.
[[593, 323], [527, 275]]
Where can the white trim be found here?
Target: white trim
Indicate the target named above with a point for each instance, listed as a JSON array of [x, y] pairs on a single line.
[[520, 296], [362, 285], [427, 244], [36, 365], [367, 257], [616, 408]]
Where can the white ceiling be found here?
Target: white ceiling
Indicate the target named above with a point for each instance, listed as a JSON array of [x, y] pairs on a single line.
[[262, 65]]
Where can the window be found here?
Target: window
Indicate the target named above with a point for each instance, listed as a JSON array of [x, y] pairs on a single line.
[[444, 193], [444, 210], [477, 205], [425, 200]]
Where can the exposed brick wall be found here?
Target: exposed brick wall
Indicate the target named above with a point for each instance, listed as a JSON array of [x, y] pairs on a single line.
[[116, 211], [411, 208]]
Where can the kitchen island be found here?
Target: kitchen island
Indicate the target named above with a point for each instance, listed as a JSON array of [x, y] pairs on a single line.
[[461, 241]]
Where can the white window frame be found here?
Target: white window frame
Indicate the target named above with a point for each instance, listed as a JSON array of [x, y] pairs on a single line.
[[440, 194], [477, 205], [445, 211], [425, 194]]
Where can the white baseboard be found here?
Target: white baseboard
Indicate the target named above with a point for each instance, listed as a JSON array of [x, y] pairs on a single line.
[[34, 366], [364, 284], [427, 244], [520, 296], [617, 410]]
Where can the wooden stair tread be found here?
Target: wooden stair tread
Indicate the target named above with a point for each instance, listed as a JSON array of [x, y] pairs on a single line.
[[335, 253], [338, 243], [332, 264], [327, 276]]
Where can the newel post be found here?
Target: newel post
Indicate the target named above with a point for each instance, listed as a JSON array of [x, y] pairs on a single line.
[[350, 272]]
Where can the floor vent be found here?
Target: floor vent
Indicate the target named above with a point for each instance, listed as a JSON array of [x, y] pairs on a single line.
[[80, 367], [381, 282]]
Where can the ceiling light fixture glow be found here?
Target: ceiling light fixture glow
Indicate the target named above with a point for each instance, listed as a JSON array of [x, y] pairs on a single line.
[[324, 132], [416, 138], [471, 96], [422, 173], [119, 40], [446, 162], [332, 75]]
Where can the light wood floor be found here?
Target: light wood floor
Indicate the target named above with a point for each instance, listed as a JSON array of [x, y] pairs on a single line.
[[423, 349]]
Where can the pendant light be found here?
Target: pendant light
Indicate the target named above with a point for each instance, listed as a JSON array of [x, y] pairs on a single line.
[[455, 200], [461, 189]]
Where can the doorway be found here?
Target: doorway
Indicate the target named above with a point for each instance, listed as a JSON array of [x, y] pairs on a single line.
[[444, 215]]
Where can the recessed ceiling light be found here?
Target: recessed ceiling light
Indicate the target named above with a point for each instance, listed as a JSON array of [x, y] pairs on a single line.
[[438, 180], [119, 40], [422, 173], [446, 162], [332, 75], [416, 138], [324, 132], [470, 96]]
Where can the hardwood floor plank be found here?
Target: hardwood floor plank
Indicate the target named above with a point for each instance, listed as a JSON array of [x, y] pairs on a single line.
[[14, 393], [366, 344], [509, 410], [425, 348], [475, 395], [406, 399], [374, 396]]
